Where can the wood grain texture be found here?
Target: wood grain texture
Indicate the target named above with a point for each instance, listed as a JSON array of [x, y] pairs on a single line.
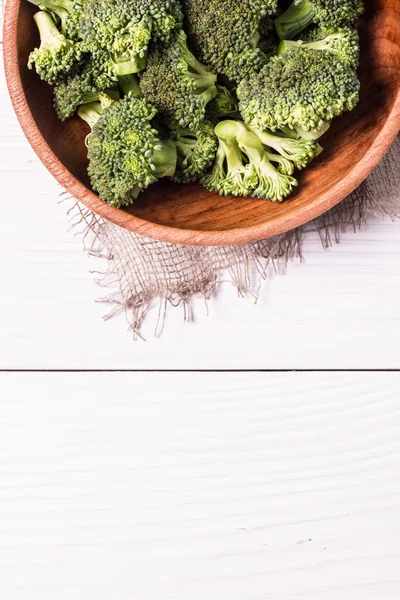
[[178, 487], [191, 215]]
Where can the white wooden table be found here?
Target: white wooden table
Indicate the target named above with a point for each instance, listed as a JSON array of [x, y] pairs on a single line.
[[184, 485]]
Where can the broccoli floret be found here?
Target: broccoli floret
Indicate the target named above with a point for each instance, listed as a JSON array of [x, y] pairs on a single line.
[[344, 43], [68, 13], [126, 28], [125, 152], [224, 105], [302, 89], [327, 13], [56, 55], [82, 86], [299, 151], [177, 84], [226, 35], [196, 151], [243, 167]]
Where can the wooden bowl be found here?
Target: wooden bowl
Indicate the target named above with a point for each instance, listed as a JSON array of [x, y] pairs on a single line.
[[189, 214]]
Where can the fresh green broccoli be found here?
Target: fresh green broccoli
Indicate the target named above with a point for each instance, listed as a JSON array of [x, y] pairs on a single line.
[[177, 84], [68, 13], [56, 55], [344, 43], [129, 84], [83, 85], [284, 166], [224, 105], [243, 166], [327, 13], [125, 29], [226, 34], [196, 151], [299, 151], [302, 89], [125, 152]]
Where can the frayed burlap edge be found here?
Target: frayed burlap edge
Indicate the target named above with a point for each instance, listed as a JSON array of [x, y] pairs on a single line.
[[142, 272]]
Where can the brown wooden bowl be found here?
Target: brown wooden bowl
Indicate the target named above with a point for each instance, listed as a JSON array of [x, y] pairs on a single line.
[[189, 214]]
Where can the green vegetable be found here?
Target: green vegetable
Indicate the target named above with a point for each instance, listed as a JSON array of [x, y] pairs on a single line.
[[226, 35], [125, 152], [56, 55], [243, 166], [225, 104], [343, 43], [224, 92], [327, 13], [196, 151], [125, 29], [299, 151], [301, 88], [177, 84], [67, 12], [83, 85]]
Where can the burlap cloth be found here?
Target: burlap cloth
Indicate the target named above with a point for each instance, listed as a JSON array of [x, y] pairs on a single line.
[[141, 272]]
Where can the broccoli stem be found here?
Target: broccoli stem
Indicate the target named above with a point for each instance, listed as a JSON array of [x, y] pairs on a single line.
[[285, 166], [208, 94], [227, 134], [287, 45], [129, 84], [297, 133], [240, 140], [186, 142], [205, 80], [297, 17], [313, 135], [233, 155], [299, 151], [290, 133], [49, 34], [94, 97], [132, 65], [61, 8], [232, 138], [90, 113], [164, 159]]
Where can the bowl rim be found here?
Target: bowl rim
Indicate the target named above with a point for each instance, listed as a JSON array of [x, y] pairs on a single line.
[[164, 233]]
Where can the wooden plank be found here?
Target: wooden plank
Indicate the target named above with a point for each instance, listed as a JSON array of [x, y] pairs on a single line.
[[244, 486], [339, 309]]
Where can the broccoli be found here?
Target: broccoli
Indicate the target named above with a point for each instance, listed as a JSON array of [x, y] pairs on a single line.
[[83, 86], [125, 152], [129, 84], [327, 13], [177, 84], [299, 151], [68, 13], [344, 43], [226, 34], [242, 166], [56, 55], [125, 29], [302, 88], [196, 151], [284, 166], [223, 105]]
